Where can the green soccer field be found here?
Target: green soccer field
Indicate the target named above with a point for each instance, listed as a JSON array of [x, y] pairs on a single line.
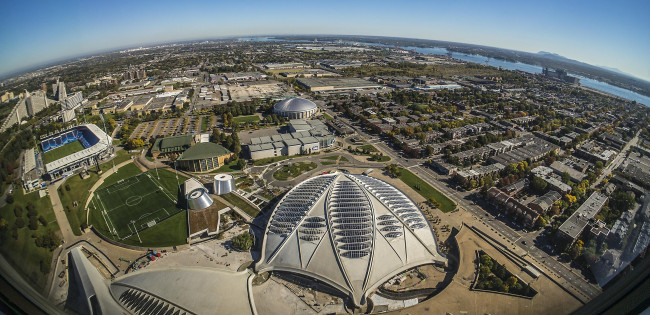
[[134, 203], [62, 151]]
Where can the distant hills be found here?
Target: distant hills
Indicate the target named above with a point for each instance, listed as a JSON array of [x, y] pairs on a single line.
[[542, 58]]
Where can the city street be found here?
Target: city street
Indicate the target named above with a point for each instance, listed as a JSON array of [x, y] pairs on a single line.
[[467, 201]]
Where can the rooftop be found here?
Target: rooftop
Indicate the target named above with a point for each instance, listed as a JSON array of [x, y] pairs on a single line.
[[202, 151]]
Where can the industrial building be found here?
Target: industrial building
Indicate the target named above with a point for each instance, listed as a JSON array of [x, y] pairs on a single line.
[[301, 142], [295, 108], [352, 232], [337, 84], [203, 157]]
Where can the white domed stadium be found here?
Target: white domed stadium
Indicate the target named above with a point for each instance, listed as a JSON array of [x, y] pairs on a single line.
[[352, 232], [295, 108]]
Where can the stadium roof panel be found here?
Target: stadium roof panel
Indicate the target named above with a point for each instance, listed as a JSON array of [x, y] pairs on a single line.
[[353, 232]]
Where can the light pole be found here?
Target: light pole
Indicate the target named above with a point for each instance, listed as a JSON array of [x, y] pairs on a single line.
[[108, 140]]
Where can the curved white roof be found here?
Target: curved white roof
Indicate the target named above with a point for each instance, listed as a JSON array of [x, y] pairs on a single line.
[[296, 104], [353, 232]]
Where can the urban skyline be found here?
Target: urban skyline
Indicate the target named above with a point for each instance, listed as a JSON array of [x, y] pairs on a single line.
[[576, 30]]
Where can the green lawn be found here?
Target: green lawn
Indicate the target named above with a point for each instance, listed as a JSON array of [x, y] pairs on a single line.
[[326, 163], [293, 170], [137, 202], [369, 147], [230, 167], [205, 123], [62, 151], [22, 252], [333, 157], [327, 116], [241, 204], [168, 180], [382, 158], [343, 159], [425, 190], [171, 232], [79, 191], [246, 119], [125, 171]]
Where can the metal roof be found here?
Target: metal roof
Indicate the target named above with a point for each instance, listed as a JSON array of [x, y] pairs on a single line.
[[203, 150], [296, 104]]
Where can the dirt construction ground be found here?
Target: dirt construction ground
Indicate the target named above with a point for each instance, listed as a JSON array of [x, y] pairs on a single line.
[[457, 298]]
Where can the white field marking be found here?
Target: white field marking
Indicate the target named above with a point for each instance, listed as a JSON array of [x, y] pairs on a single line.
[[159, 185], [108, 217], [111, 189]]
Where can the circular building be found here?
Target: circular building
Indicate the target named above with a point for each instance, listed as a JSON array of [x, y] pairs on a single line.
[[352, 232], [203, 157], [196, 195], [295, 108], [223, 184]]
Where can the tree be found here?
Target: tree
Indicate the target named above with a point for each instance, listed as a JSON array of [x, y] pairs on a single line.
[[20, 223], [486, 261], [10, 199], [241, 164], [42, 220], [243, 241], [541, 222], [576, 249], [622, 201], [538, 184], [18, 211], [33, 223]]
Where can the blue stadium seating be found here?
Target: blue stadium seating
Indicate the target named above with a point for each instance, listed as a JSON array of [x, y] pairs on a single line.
[[81, 134]]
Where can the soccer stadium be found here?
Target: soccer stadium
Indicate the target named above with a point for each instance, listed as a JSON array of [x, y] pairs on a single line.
[[77, 147], [132, 204], [352, 232]]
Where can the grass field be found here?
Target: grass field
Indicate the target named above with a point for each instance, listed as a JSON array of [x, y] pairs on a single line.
[[293, 170], [79, 192], [327, 116], [241, 204], [425, 190], [125, 171], [134, 203], [205, 123], [170, 232], [229, 167], [246, 119], [21, 252], [62, 151]]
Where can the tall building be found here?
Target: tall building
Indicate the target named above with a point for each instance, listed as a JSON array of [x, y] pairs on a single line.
[[58, 89], [135, 74], [30, 105]]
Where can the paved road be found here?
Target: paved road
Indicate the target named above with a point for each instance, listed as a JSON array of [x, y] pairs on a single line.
[[617, 160], [468, 202]]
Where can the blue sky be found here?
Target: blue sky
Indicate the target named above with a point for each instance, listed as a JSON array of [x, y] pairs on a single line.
[[604, 33]]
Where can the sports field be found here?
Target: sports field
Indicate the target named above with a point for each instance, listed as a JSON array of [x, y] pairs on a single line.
[[134, 203], [62, 151]]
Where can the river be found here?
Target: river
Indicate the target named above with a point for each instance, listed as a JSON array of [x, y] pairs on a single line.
[[590, 83]]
